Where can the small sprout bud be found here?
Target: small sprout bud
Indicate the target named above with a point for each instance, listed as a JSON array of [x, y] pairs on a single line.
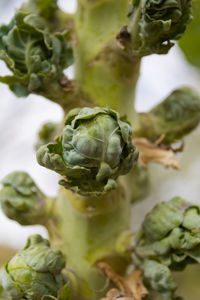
[[94, 149], [173, 118], [35, 271], [153, 25], [47, 134], [36, 57], [168, 240], [21, 199]]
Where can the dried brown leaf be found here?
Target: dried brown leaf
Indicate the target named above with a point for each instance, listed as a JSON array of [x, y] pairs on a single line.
[[150, 152], [114, 277], [115, 294], [131, 286], [135, 284]]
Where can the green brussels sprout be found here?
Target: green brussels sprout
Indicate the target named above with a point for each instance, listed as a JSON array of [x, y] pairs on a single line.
[[94, 149], [153, 25], [21, 199], [170, 237], [47, 133], [36, 57], [34, 271], [174, 117]]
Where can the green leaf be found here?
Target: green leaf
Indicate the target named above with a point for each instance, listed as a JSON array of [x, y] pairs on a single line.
[[190, 43]]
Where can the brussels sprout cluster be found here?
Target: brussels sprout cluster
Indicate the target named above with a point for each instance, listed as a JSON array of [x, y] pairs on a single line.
[[173, 118], [153, 25], [36, 57], [35, 271], [94, 149], [21, 199], [168, 240]]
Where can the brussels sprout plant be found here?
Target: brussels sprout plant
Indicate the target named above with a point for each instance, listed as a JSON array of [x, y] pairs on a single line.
[[101, 150]]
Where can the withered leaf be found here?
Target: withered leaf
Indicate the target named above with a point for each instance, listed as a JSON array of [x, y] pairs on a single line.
[[150, 152], [135, 284], [131, 286], [115, 294]]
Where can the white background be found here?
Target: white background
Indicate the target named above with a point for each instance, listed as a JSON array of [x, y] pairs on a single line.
[[20, 119]]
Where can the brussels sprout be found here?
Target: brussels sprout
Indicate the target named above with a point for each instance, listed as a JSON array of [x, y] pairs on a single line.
[[36, 57], [21, 199], [153, 25], [173, 118], [170, 239], [94, 149], [47, 133], [35, 271]]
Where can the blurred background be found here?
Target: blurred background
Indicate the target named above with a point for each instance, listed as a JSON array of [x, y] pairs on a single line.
[[21, 118]]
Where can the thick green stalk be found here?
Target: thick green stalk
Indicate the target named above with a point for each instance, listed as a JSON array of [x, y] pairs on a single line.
[[91, 229], [103, 71]]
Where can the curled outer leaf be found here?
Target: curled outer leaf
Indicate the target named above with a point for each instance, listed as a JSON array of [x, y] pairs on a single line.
[[153, 25], [21, 199], [94, 149], [35, 57], [169, 239], [173, 118], [34, 271]]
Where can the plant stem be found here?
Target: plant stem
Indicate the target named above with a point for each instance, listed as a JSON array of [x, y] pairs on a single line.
[[88, 230], [105, 73]]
